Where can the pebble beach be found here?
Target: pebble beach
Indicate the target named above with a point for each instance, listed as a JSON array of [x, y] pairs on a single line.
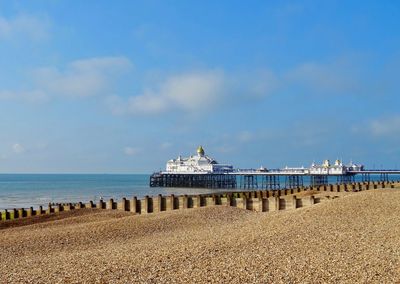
[[351, 239]]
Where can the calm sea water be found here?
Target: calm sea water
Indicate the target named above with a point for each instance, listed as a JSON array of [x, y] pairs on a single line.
[[25, 190]]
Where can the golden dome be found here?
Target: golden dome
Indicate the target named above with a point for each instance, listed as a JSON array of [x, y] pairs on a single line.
[[326, 164], [200, 151]]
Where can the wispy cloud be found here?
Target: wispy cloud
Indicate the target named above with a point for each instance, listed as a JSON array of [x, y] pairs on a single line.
[[188, 92], [329, 78], [199, 92], [131, 151], [245, 136], [35, 96], [18, 148], [194, 92], [166, 145], [385, 126], [80, 78], [24, 26]]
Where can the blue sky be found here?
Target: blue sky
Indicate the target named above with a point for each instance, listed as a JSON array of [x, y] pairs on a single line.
[[122, 86]]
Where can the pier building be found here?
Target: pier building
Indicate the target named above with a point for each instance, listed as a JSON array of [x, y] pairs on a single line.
[[200, 163], [199, 171]]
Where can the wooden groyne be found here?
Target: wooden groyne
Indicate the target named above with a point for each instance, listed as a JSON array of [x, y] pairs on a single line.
[[261, 200]]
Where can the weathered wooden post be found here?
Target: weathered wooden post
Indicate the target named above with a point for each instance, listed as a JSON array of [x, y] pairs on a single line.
[[100, 204], [294, 202], [110, 204], [146, 205], [49, 209], [157, 205], [122, 205], [91, 204], [134, 205], [29, 213], [6, 215], [171, 203], [21, 213], [185, 202]]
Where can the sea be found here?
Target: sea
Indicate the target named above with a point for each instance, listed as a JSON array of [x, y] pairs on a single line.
[[26, 190]]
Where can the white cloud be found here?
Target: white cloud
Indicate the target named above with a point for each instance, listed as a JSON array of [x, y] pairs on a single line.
[[245, 136], [81, 78], [148, 104], [166, 145], [192, 92], [202, 91], [188, 92], [225, 149], [386, 127], [195, 92], [36, 96], [131, 151], [24, 26], [18, 148], [255, 84], [5, 27], [333, 78]]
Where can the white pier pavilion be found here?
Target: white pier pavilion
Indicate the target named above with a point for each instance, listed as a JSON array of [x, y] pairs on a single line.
[[200, 163]]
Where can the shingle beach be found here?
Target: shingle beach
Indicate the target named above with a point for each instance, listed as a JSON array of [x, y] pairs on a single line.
[[351, 239]]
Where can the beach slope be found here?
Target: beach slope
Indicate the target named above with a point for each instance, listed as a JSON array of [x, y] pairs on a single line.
[[355, 238]]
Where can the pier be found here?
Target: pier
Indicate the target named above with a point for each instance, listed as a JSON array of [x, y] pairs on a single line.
[[202, 171], [264, 180]]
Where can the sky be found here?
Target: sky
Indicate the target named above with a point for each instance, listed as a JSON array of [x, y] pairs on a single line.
[[123, 86]]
